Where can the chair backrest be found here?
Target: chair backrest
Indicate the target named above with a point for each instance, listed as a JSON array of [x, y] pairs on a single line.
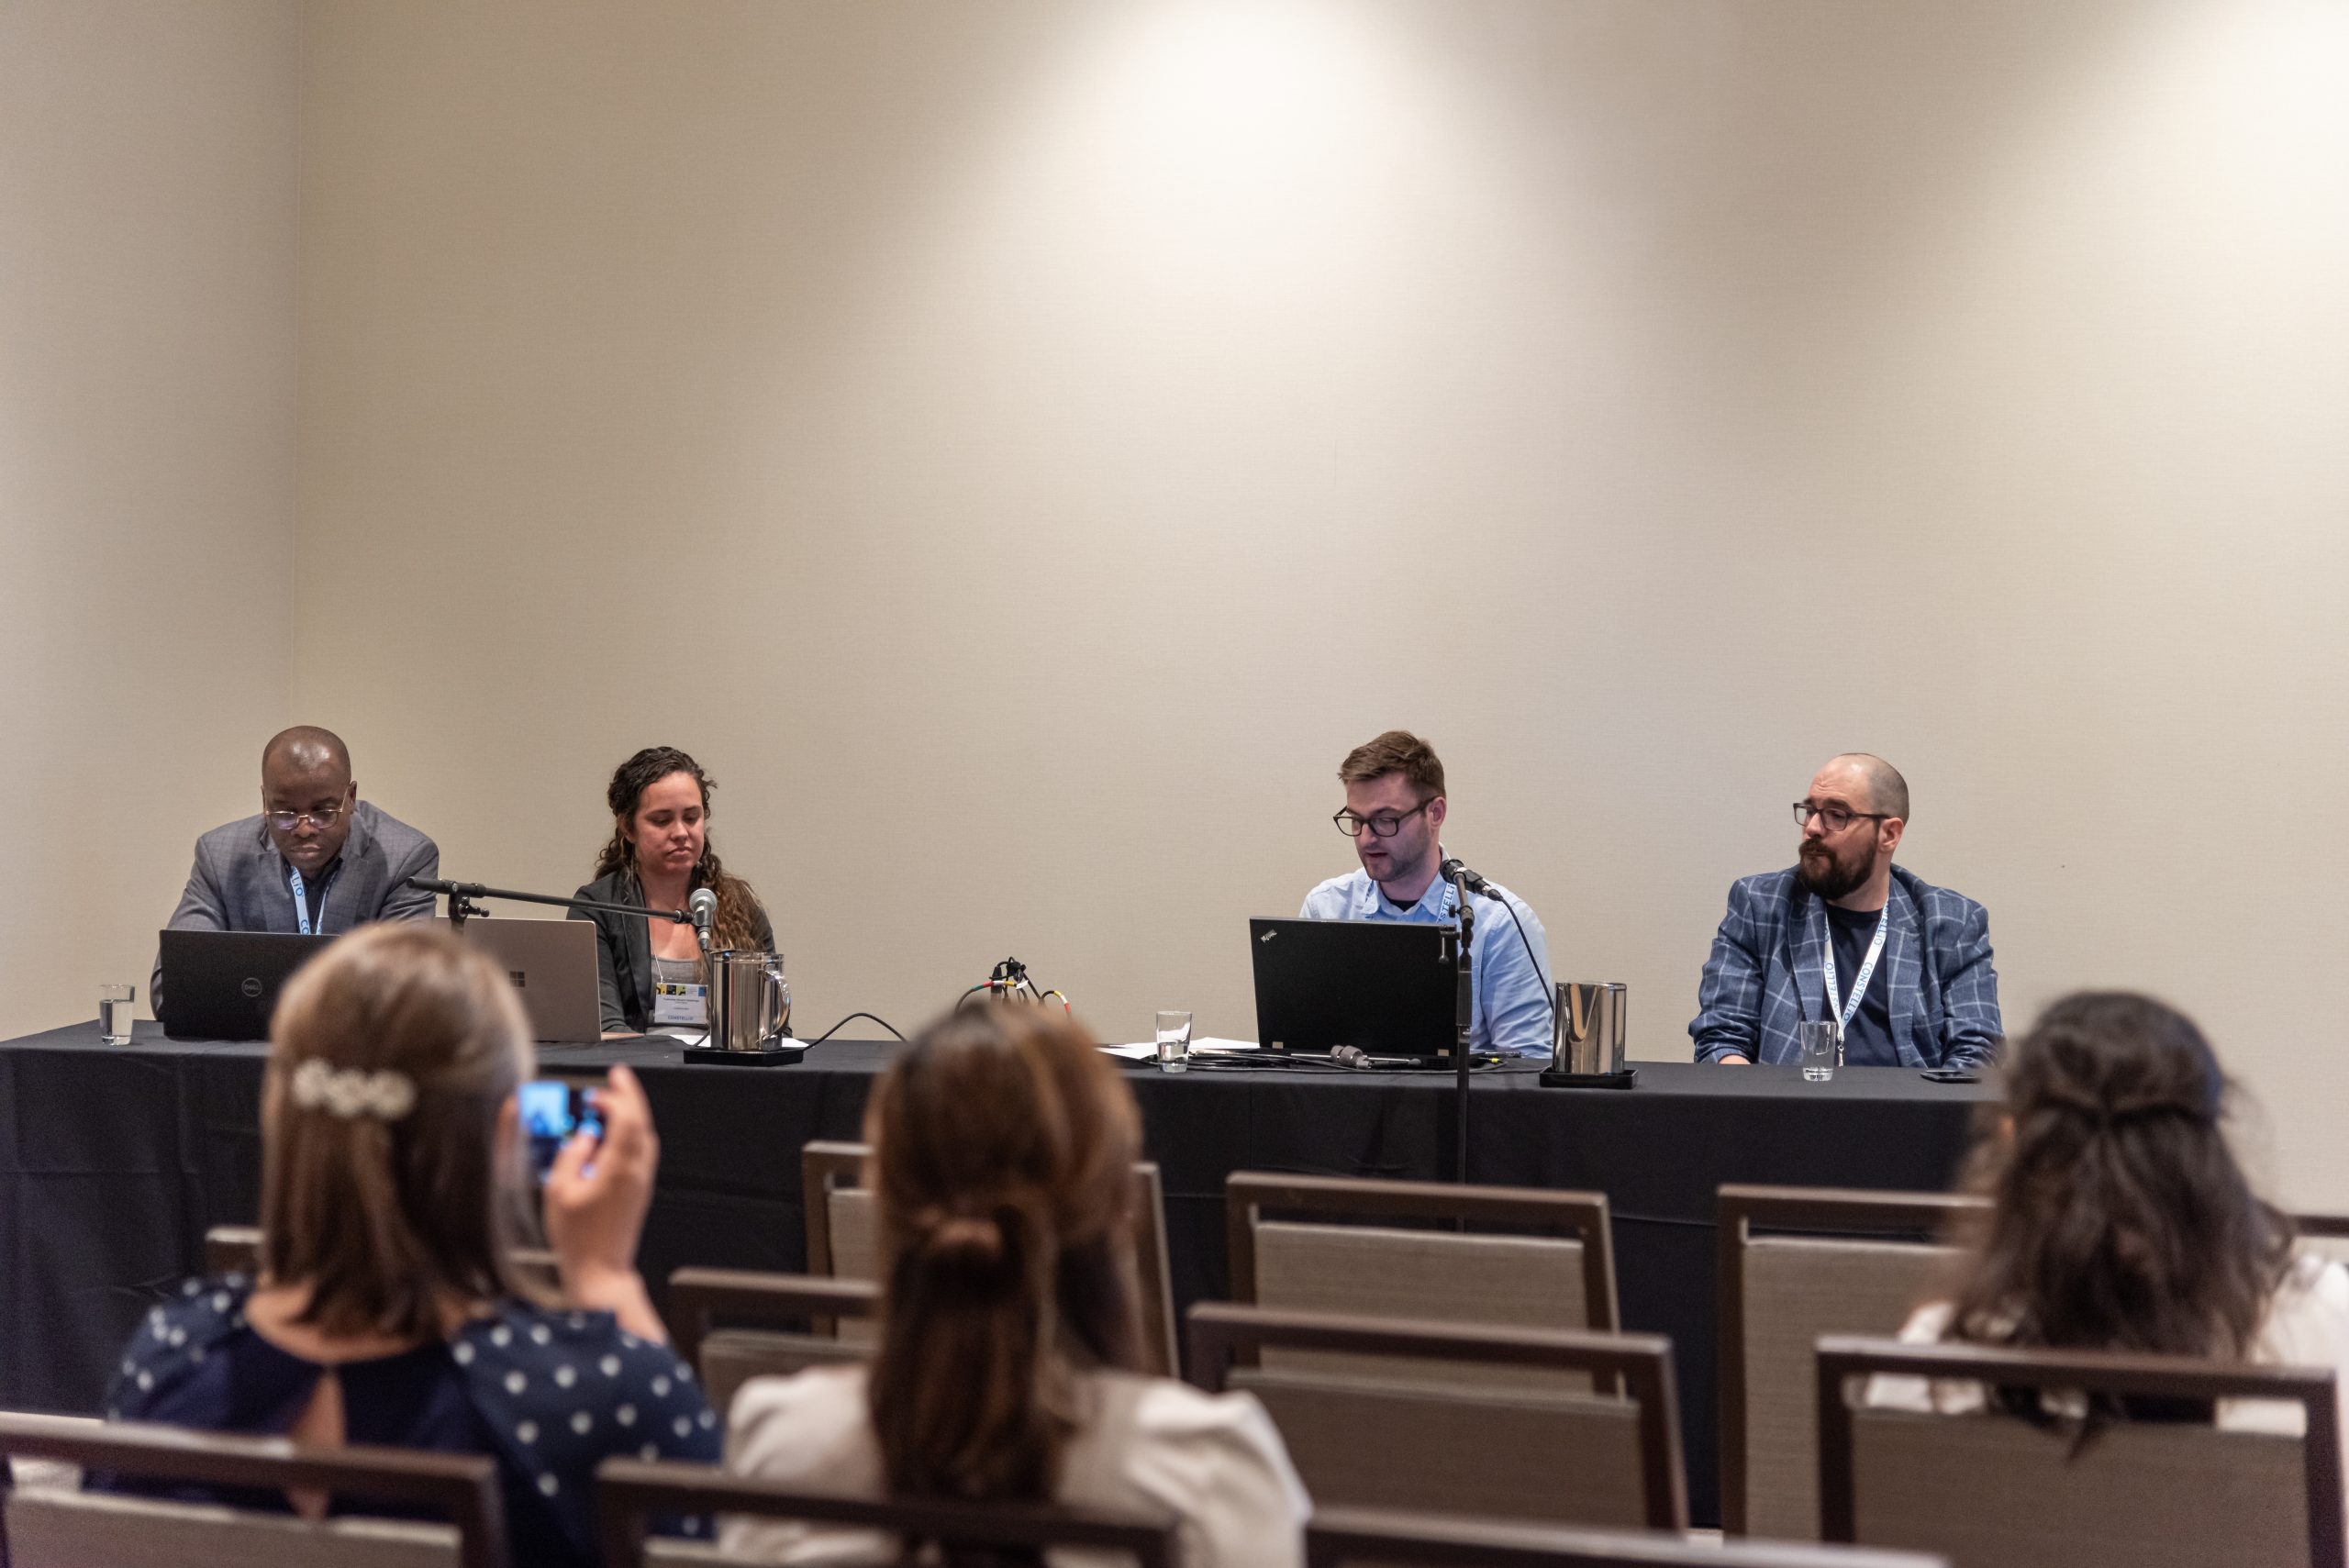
[[1795, 1263], [1367, 1538], [1513, 1257], [629, 1491], [843, 1237], [77, 1529], [1452, 1447], [1995, 1491], [236, 1249], [2326, 1235], [733, 1324]]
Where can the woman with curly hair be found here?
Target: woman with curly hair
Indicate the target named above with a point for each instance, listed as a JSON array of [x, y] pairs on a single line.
[[2121, 1220], [659, 855]]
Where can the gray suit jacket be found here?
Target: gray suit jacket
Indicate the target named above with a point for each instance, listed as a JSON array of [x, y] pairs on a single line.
[[239, 883]]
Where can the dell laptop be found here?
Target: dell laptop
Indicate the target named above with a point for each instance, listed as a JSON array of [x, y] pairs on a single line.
[[1385, 988], [224, 984]]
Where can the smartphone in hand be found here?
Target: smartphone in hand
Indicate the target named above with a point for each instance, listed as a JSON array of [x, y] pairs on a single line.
[[552, 1111]]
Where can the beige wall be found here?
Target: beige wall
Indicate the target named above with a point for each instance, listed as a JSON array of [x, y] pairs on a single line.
[[1021, 447], [148, 161]]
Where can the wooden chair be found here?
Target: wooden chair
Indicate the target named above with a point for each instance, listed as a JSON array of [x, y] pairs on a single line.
[[2326, 1235], [843, 1237], [236, 1249], [96, 1529], [1994, 1491], [629, 1491], [1365, 1538], [1511, 1257], [1795, 1263], [1453, 1447], [776, 1325]]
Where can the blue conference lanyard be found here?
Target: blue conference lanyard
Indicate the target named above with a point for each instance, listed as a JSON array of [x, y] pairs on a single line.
[[301, 904], [1847, 1011]]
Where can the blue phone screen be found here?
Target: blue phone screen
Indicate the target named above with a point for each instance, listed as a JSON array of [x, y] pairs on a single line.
[[552, 1111]]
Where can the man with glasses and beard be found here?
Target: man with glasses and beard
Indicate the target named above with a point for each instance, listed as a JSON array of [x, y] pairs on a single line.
[[1394, 812], [316, 860], [1846, 935]]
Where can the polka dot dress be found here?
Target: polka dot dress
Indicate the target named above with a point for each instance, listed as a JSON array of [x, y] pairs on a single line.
[[549, 1394]]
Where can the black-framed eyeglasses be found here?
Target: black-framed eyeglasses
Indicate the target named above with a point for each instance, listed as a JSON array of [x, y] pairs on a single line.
[[1837, 818], [1383, 825], [286, 821]]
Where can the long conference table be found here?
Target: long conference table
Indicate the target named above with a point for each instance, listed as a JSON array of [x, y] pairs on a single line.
[[114, 1160]]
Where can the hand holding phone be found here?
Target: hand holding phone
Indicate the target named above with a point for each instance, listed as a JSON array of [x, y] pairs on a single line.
[[553, 1112]]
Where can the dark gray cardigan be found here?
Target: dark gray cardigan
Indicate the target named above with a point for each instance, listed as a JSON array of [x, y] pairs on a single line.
[[623, 951]]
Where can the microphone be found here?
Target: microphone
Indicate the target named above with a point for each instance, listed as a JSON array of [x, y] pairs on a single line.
[[703, 905], [1349, 1056], [1452, 871]]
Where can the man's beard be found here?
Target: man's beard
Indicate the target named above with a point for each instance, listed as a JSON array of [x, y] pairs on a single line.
[[1830, 878]]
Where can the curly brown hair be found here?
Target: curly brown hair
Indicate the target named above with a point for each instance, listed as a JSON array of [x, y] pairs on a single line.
[[2119, 1220], [630, 781]]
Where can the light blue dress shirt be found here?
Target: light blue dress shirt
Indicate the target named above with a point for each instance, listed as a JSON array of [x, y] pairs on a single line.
[[1510, 1009]]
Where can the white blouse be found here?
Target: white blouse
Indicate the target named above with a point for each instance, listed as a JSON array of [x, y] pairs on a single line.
[[2307, 1325], [1151, 1447]]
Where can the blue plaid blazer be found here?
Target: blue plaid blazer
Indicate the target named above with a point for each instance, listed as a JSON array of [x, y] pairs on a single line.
[[1766, 974]]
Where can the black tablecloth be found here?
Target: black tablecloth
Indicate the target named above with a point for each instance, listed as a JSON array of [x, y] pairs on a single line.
[[114, 1160]]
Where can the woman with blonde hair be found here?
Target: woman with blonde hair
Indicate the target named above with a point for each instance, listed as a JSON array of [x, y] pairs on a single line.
[[1003, 1151], [388, 1310]]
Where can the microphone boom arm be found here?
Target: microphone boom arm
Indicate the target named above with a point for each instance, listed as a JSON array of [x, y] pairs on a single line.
[[460, 897]]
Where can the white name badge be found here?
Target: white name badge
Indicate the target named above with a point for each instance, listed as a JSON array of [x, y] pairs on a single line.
[[673, 1003]]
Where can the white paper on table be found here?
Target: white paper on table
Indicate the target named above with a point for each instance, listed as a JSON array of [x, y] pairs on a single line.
[[684, 1037], [1148, 1051]]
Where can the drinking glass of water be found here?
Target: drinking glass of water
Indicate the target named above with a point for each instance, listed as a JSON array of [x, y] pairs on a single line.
[[1820, 1047], [1173, 1041], [115, 1008]]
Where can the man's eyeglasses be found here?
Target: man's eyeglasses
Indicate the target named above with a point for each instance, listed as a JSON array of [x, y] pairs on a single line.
[[1836, 817], [286, 821], [1385, 825]]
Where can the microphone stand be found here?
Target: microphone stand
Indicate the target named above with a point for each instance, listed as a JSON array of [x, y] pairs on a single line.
[[462, 907], [1463, 1010]]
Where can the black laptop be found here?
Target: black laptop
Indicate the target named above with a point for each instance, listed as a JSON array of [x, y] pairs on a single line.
[[224, 984], [1388, 989]]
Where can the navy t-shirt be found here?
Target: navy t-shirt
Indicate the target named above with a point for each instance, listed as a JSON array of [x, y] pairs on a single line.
[[1867, 1041]]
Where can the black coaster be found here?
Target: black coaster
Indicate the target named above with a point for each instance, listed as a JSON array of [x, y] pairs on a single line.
[[781, 1054], [1553, 1079]]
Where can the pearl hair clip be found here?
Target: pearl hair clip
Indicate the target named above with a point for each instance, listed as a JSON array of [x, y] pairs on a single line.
[[348, 1092]]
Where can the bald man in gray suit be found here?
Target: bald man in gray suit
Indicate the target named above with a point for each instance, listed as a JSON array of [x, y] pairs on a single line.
[[316, 860]]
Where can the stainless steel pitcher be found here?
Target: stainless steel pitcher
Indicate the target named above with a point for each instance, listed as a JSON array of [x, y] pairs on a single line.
[[1590, 1028], [749, 1002]]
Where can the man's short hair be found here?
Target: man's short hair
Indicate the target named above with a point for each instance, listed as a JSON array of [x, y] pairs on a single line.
[[1397, 751], [1888, 791]]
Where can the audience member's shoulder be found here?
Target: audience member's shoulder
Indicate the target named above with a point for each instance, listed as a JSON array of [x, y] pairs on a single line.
[[572, 1361], [1169, 1416], [175, 1341], [2309, 1319], [812, 1423]]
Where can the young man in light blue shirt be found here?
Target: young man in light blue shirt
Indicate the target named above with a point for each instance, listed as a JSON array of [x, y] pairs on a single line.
[[1394, 813]]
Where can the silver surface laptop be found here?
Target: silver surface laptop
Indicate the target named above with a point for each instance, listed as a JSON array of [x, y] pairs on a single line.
[[552, 963]]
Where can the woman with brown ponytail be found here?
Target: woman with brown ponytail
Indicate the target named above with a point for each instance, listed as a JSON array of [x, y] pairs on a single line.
[[1003, 1146], [2121, 1220], [650, 971]]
